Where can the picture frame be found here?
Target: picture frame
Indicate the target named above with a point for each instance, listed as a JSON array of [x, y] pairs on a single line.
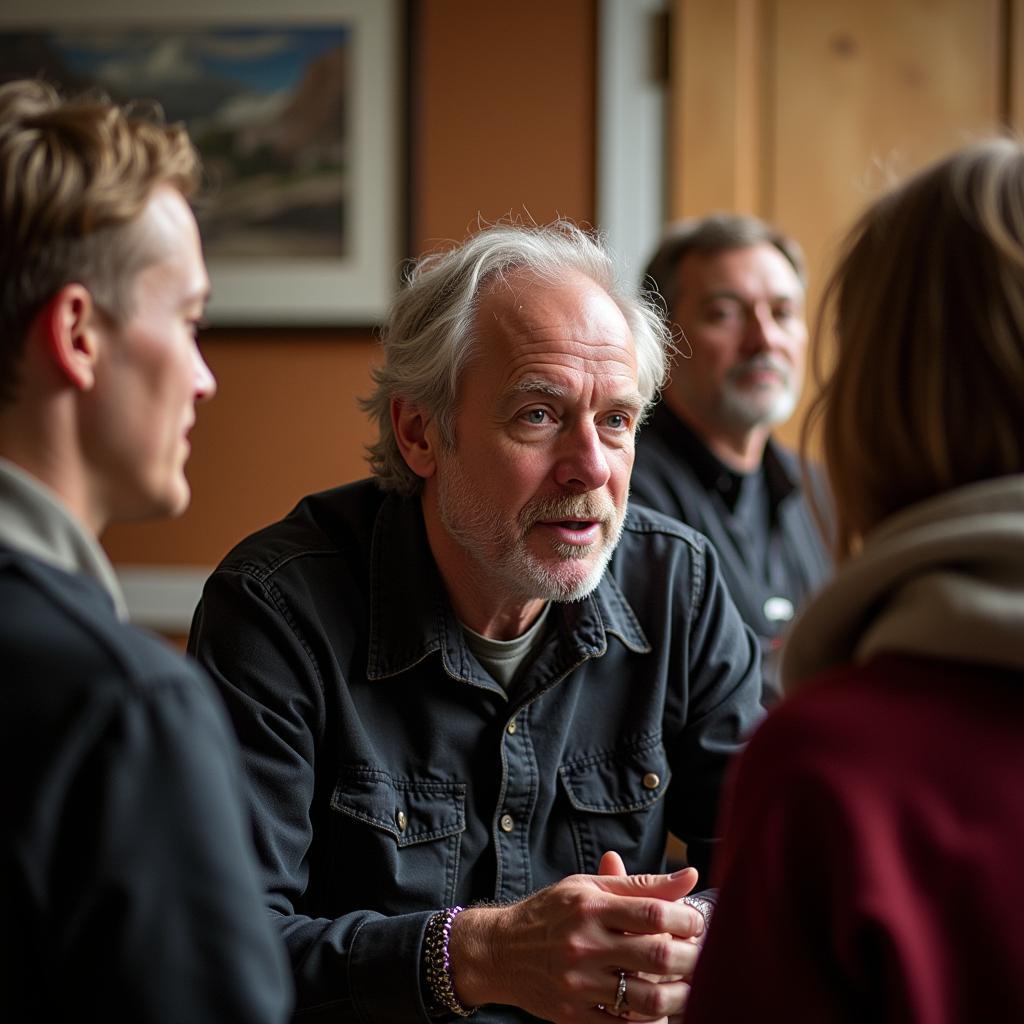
[[301, 212]]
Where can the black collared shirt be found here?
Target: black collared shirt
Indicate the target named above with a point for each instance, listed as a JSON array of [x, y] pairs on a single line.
[[393, 776], [760, 524]]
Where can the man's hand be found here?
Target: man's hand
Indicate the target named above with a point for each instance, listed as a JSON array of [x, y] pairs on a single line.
[[558, 953], [612, 864]]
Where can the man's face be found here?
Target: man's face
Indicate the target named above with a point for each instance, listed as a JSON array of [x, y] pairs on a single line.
[[150, 374], [534, 493], [742, 311]]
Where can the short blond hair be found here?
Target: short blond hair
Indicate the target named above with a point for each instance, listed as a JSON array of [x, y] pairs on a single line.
[[74, 176], [927, 390]]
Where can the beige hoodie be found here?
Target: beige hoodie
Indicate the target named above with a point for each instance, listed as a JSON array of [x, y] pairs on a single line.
[[943, 578]]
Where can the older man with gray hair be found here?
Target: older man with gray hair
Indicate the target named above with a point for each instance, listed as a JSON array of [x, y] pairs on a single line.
[[733, 287], [475, 690]]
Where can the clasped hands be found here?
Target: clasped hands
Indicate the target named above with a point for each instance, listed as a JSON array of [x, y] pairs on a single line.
[[559, 953]]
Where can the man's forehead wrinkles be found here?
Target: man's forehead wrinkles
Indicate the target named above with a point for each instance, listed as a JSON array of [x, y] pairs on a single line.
[[610, 359], [564, 377], [561, 341]]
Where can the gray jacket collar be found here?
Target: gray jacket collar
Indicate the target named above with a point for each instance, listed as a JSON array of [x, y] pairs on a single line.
[[35, 521]]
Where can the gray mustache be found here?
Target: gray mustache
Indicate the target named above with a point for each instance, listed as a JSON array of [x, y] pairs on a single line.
[[760, 362], [571, 507]]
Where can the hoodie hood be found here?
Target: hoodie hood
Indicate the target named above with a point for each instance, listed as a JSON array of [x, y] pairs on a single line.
[[943, 578]]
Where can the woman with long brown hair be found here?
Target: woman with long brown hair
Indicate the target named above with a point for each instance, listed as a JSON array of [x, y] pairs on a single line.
[[874, 837]]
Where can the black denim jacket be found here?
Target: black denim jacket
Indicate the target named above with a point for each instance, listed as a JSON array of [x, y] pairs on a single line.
[[393, 776]]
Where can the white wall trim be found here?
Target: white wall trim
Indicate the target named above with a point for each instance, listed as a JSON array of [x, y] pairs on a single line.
[[163, 597], [631, 112]]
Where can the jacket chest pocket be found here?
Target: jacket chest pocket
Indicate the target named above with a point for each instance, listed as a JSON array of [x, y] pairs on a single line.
[[397, 840], [616, 803]]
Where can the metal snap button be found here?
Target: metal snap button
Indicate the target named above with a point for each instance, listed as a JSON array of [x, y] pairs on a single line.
[[778, 609], [651, 781], [402, 820], [506, 823]]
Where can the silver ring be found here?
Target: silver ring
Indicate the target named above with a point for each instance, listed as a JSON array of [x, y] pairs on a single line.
[[620, 993]]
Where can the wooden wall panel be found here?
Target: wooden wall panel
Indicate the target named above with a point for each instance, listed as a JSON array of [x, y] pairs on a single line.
[[867, 92], [1014, 69], [847, 95], [506, 122], [717, 109], [283, 423]]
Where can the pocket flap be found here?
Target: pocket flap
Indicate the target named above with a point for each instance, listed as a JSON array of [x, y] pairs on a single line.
[[612, 782], [411, 810]]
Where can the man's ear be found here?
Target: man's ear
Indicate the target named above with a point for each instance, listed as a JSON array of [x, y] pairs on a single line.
[[69, 331], [416, 436]]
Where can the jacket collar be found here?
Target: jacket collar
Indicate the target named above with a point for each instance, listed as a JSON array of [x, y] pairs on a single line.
[[34, 521], [411, 616]]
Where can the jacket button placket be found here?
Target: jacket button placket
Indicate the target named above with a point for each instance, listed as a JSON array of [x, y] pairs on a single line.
[[515, 813]]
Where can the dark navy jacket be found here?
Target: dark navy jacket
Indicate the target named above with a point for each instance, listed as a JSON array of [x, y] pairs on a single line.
[[127, 878], [394, 777]]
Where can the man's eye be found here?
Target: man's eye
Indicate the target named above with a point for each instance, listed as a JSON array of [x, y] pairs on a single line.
[[536, 417], [718, 314], [617, 421]]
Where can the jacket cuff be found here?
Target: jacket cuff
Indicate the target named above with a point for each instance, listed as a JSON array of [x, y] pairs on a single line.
[[385, 966]]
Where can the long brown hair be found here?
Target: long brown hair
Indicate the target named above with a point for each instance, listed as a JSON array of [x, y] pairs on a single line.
[[927, 390]]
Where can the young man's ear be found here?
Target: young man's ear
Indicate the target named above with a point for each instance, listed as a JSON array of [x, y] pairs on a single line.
[[68, 329], [416, 435]]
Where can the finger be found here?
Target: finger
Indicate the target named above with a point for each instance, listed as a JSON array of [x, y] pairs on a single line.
[[653, 1001], [651, 916], [666, 887], [601, 1014], [630, 1015], [639, 997], [658, 959], [611, 864], [602, 1011]]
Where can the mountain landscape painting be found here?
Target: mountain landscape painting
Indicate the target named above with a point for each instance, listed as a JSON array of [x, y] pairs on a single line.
[[268, 106]]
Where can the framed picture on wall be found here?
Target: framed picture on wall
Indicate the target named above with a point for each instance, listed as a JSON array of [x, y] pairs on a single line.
[[294, 106]]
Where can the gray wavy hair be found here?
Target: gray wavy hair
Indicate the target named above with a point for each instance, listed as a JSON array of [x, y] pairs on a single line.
[[429, 333]]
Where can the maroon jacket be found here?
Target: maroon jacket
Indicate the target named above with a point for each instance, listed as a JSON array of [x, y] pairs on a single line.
[[873, 861]]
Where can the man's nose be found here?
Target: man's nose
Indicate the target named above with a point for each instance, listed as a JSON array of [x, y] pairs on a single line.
[[205, 383], [583, 462], [761, 333]]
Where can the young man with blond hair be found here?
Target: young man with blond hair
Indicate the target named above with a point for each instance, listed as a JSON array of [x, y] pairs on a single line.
[[126, 871]]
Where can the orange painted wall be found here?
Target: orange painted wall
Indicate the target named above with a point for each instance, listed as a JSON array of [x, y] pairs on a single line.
[[501, 118]]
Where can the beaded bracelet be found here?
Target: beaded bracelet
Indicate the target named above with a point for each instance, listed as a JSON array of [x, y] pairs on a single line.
[[438, 965]]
